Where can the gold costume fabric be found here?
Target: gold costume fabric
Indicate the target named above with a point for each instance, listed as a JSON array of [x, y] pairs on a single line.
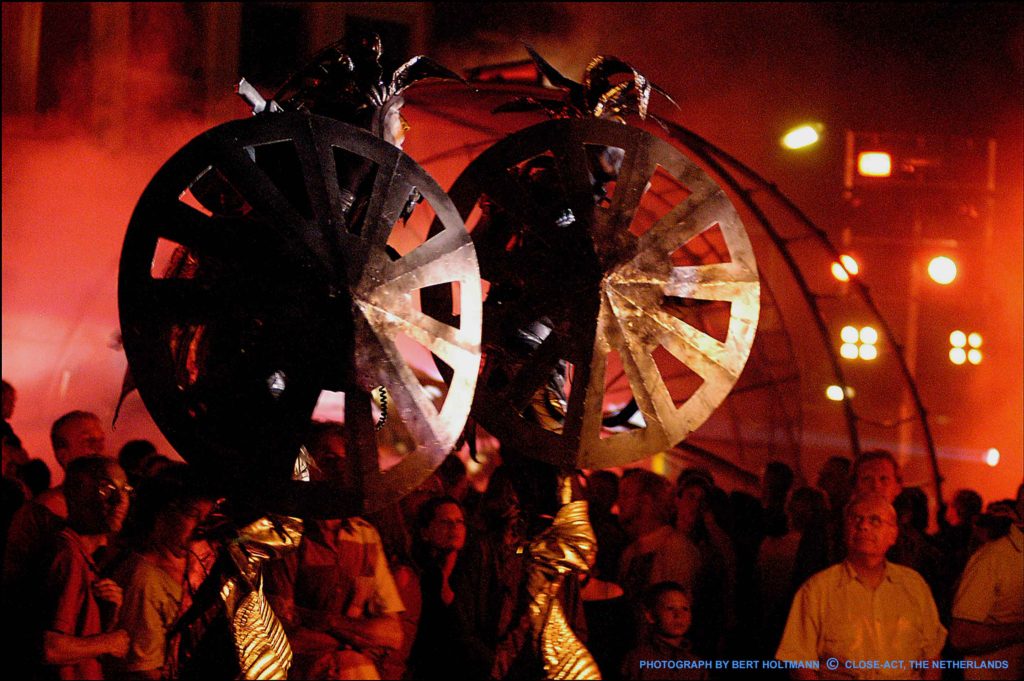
[[567, 546], [260, 642]]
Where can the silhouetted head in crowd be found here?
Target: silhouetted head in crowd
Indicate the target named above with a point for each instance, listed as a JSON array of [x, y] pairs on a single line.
[[98, 495], [876, 472], [77, 434], [441, 525], [536, 489], [645, 501], [667, 610], [966, 505], [870, 527], [691, 502], [994, 523], [778, 478], [453, 477], [911, 506], [10, 396], [14, 455], [500, 508], [747, 515], [326, 446], [806, 507], [36, 476], [834, 480], [167, 509], [132, 458], [696, 472], [602, 491]]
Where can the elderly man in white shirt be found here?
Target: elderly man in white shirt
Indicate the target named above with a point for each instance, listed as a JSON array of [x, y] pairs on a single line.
[[865, 618]]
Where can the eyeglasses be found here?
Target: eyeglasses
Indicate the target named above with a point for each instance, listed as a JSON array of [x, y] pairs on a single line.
[[874, 521], [109, 489]]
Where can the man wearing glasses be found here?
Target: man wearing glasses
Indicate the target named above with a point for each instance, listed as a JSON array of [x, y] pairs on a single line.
[[865, 618], [30, 539], [81, 609]]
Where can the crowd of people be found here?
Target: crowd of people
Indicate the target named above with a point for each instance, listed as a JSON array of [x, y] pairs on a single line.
[[98, 571]]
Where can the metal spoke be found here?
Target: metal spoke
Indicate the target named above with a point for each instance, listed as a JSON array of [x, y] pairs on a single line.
[[255, 187], [188, 227], [718, 281], [698, 213], [645, 381], [316, 158], [432, 262], [181, 301], [454, 346], [637, 169], [707, 356], [389, 196]]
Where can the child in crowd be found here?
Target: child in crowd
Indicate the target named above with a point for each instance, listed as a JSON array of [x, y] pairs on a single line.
[[664, 652]]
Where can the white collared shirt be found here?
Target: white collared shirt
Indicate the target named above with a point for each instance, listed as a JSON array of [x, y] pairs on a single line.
[[835, 615]]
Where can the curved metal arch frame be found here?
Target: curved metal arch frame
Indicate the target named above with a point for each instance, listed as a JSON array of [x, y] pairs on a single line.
[[716, 158]]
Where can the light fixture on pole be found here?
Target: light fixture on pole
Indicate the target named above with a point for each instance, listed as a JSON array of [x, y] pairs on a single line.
[[965, 347], [859, 343], [838, 394], [802, 136], [846, 267], [874, 164]]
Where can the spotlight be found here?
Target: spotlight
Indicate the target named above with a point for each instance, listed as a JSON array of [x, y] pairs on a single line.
[[942, 270], [965, 347], [858, 343], [802, 136], [874, 164], [992, 457], [868, 352], [845, 268], [834, 393]]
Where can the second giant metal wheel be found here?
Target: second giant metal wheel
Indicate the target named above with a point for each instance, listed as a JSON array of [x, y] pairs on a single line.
[[566, 263]]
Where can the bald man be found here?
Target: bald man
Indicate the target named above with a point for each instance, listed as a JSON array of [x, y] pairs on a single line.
[[866, 609]]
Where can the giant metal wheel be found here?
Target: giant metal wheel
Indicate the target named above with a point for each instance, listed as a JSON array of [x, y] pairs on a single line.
[[282, 288], [601, 285]]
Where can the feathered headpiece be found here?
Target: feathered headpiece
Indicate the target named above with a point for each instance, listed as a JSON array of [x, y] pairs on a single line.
[[596, 96], [348, 84]]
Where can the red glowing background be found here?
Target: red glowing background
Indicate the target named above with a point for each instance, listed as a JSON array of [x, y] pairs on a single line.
[[103, 119]]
